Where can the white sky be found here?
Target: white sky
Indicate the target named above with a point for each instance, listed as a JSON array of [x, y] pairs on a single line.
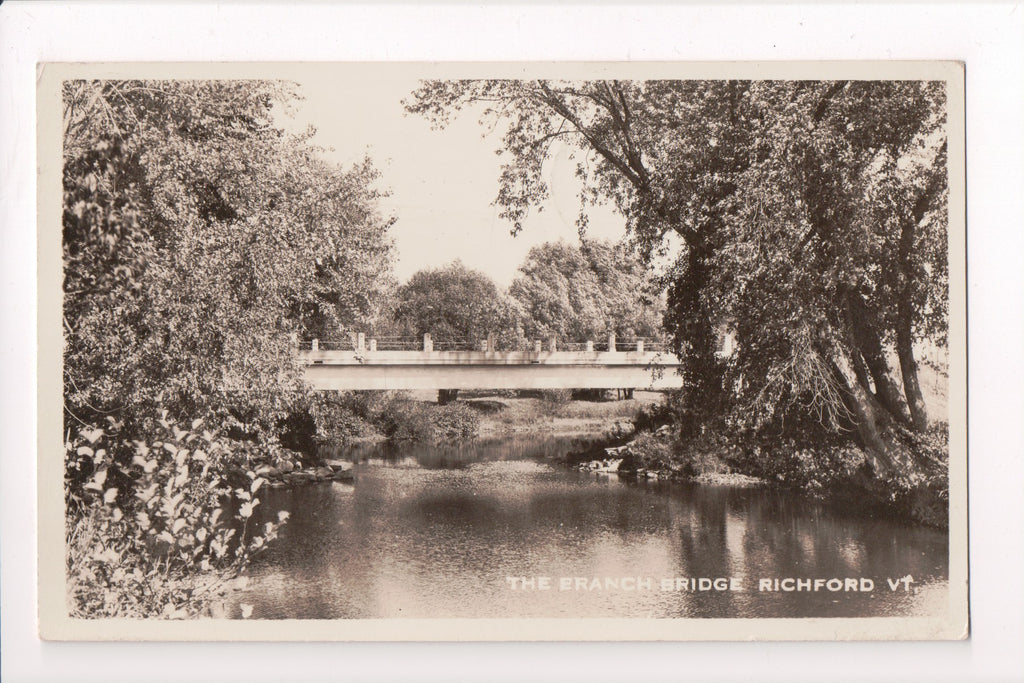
[[442, 182]]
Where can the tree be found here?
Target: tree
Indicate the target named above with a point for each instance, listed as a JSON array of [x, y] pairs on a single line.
[[199, 237], [455, 304], [585, 292], [812, 218]]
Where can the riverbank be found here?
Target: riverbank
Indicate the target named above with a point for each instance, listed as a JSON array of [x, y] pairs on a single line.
[[501, 414], [838, 474], [835, 472]]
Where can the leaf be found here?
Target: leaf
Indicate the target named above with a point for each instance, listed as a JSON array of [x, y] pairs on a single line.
[[110, 496], [96, 483], [146, 494], [85, 450], [181, 477], [246, 610], [178, 524], [92, 435], [256, 484], [245, 510]]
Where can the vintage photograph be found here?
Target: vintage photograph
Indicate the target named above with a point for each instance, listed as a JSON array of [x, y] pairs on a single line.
[[573, 351]]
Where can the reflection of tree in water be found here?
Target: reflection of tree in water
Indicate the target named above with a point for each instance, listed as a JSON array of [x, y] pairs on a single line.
[[439, 542], [702, 533]]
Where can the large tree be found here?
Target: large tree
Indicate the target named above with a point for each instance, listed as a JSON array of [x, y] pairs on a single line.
[[583, 292], [455, 304], [812, 218], [199, 239]]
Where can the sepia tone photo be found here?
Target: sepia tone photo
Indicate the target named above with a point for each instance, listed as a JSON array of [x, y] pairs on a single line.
[[476, 352]]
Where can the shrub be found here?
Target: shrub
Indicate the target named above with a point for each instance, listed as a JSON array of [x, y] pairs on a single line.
[[454, 421], [412, 421], [298, 432], [157, 528], [555, 398], [647, 452], [923, 494], [404, 420], [341, 417], [650, 417], [588, 394]]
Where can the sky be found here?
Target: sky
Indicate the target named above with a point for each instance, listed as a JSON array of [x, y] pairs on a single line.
[[442, 183]]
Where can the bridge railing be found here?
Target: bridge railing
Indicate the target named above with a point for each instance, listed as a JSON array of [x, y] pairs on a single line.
[[362, 342], [327, 345], [455, 345], [398, 343]]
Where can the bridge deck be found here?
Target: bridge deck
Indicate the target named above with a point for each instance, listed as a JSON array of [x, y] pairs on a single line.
[[409, 370]]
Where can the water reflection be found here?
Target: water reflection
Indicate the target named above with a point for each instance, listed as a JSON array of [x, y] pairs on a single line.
[[435, 532]]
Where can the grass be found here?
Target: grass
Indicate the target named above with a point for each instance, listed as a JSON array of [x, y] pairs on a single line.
[[537, 414], [507, 412]]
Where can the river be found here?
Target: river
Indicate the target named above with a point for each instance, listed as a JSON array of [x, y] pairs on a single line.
[[452, 531]]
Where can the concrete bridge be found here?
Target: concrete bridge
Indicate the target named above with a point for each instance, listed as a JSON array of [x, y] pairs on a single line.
[[389, 365]]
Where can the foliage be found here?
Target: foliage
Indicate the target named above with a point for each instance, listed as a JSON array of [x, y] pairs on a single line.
[[554, 399], [341, 417], [454, 421], [654, 415], [589, 394], [157, 528], [455, 304], [841, 471], [199, 240], [811, 223], [405, 420], [648, 452], [576, 293]]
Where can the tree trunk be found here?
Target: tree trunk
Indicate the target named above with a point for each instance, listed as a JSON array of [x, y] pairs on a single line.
[[908, 367], [873, 423], [859, 369], [691, 322], [905, 320], [870, 346]]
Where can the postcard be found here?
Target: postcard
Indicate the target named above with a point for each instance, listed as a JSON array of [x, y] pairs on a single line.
[[502, 351]]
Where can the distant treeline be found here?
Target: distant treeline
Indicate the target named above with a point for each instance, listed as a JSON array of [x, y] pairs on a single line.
[[567, 291]]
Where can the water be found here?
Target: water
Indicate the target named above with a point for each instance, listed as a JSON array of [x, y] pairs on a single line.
[[437, 532]]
